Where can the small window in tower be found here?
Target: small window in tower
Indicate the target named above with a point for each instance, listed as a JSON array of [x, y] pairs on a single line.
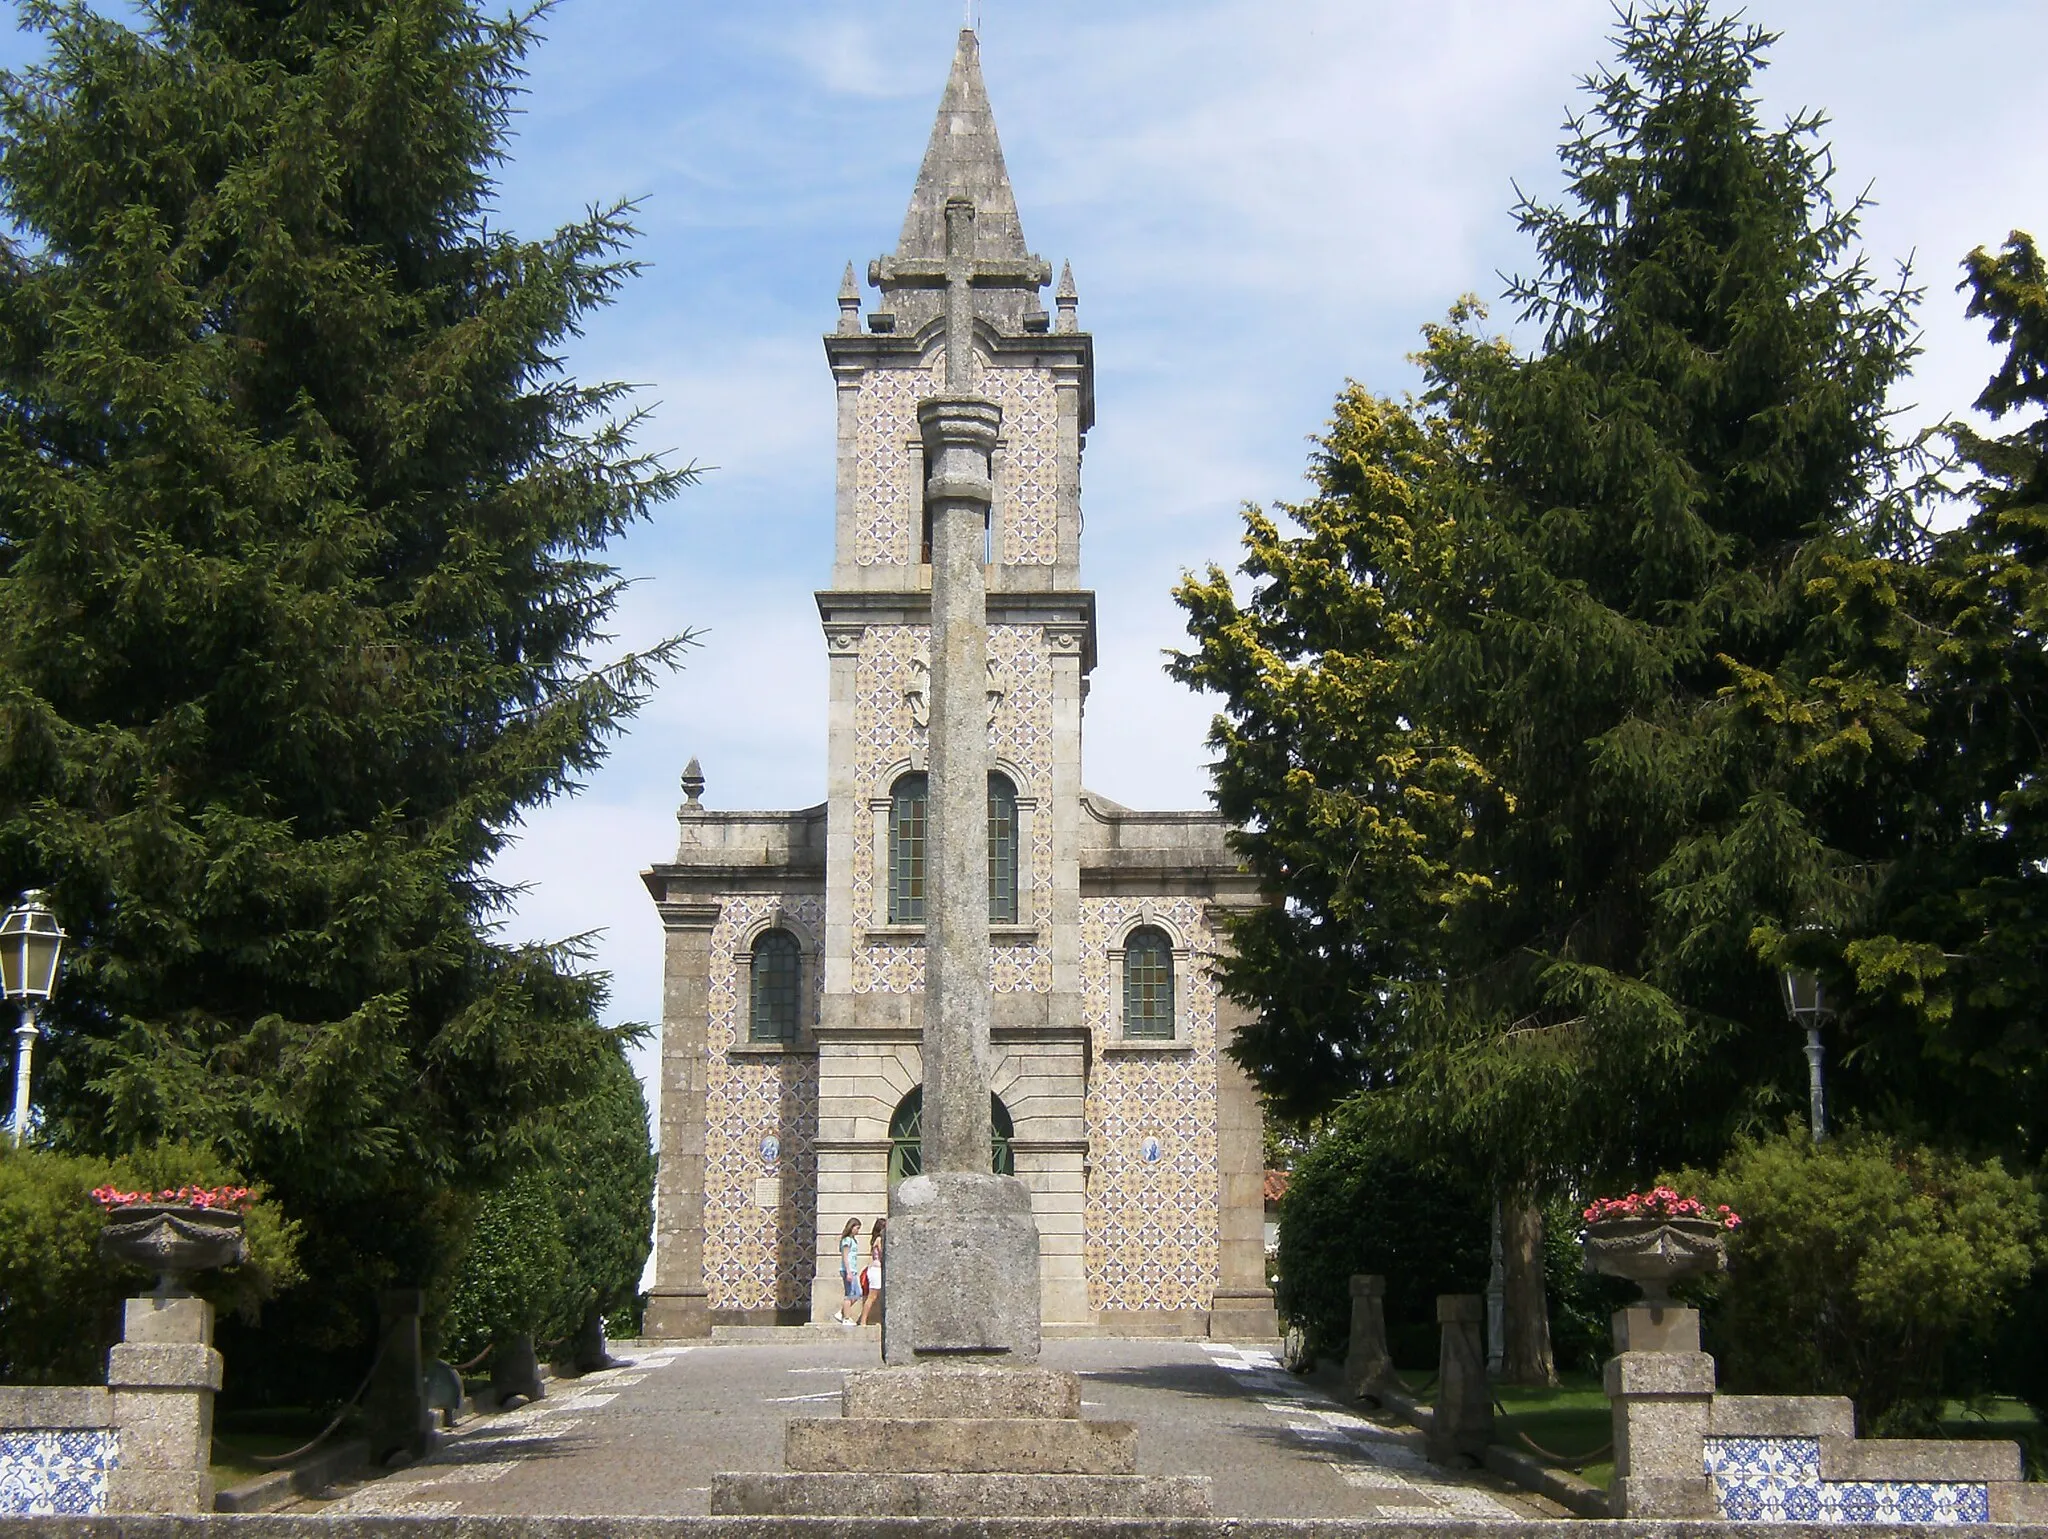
[[1002, 850], [777, 988], [907, 807], [1148, 984]]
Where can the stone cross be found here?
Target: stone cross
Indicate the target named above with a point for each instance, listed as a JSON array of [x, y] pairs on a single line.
[[959, 432], [963, 1247]]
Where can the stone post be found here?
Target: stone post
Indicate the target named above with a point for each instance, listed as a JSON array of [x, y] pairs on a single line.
[[963, 1247], [1462, 1424], [1662, 1387], [677, 1304], [399, 1421], [1367, 1365], [163, 1377]]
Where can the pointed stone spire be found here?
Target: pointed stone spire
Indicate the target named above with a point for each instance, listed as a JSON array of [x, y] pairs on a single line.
[[849, 305], [1068, 300], [964, 160]]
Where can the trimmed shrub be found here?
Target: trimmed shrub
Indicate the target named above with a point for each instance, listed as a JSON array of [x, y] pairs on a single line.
[[1353, 1205], [569, 1236], [1861, 1265]]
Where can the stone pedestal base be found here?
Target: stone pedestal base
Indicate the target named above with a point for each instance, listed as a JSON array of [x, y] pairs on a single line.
[[163, 1377], [1662, 1387], [962, 1278], [960, 1439], [1243, 1315], [677, 1314]]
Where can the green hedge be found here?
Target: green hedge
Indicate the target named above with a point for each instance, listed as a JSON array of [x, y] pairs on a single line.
[[1861, 1267], [1352, 1205], [60, 1303]]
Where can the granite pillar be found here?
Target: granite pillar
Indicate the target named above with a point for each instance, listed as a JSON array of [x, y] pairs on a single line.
[[163, 1377], [1461, 1425], [1367, 1364], [963, 1253], [398, 1421], [677, 1304], [1242, 1309], [1662, 1388]]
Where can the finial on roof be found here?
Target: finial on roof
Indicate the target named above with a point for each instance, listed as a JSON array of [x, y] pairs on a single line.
[[693, 786], [1067, 299], [849, 305]]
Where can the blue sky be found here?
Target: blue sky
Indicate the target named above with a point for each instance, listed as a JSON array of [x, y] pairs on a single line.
[[1260, 198]]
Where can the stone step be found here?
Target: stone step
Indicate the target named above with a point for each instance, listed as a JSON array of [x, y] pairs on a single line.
[[962, 1445], [832, 1494], [962, 1389]]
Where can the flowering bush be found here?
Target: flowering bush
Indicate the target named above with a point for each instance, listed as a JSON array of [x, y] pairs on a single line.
[[1660, 1202], [234, 1198]]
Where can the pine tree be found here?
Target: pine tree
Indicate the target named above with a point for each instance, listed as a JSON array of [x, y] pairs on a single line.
[[300, 572], [1542, 727], [1950, 969]]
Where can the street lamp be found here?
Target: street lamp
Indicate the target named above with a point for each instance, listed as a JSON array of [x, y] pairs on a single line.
[[1807, 1003], [30, 944]]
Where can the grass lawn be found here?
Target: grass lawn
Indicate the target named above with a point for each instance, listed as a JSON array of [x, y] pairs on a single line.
[[1574, 1420], [270, 1431]]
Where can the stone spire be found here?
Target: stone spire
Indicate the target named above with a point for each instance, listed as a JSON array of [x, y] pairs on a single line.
[[962, 163], [963, 160]]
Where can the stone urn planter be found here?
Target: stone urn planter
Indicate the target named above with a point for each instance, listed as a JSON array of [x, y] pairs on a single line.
[[173, 1240], [1655, 1252]]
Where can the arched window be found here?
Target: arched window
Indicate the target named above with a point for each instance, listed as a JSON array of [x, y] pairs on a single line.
[[776, 1008], [906, 1137], [1002, 850], [1148, 983], [908, 803]]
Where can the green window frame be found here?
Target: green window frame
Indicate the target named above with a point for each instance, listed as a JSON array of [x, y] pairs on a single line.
[[906, 1137], [1148, 984], [1002, 850], [775, 1010], [909, 809]]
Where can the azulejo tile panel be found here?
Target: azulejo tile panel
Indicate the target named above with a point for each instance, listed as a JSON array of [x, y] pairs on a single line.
[[47, 1474], [760, 1133], [1777, 1480], [1151, 1227], [891, 709], [1027, 480], [886, 463]]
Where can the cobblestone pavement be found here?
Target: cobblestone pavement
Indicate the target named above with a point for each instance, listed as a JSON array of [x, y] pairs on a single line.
[[646, 1437]]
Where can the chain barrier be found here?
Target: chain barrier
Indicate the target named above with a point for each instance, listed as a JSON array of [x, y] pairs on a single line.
[[1563, 1461], [277, 1460]]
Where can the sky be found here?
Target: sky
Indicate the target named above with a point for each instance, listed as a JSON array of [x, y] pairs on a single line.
[[1261, 200]]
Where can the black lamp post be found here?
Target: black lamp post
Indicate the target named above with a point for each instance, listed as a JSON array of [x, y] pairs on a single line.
[[1807, 1003], [31, 943]]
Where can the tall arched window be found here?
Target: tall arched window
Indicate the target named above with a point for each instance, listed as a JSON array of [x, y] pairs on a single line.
[[1148, 983], [908, 803], [776, 1008], [1002, 850], [906, 1137]]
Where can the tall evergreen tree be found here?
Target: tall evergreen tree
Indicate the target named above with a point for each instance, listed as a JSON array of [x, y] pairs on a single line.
[[1949, 969], [300, 535], [1539, 725]]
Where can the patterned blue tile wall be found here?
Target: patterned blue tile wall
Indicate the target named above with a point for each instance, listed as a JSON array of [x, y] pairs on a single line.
[[56, 1474], [1777, 1480]]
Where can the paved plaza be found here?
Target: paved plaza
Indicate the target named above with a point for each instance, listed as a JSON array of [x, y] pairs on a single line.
[[645, 1438]]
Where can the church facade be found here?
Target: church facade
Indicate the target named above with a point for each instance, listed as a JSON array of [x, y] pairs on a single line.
[[793, 964]]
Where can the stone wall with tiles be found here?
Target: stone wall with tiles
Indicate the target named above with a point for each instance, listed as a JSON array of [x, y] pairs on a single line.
[[1152, 1221], [761, 1128], [58, 1448], [887, 462], [891, 694]]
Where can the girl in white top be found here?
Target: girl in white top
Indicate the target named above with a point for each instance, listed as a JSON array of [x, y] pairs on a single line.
[[849, 1273]]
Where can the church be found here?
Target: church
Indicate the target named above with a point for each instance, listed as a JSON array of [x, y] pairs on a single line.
[[793, 940]]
